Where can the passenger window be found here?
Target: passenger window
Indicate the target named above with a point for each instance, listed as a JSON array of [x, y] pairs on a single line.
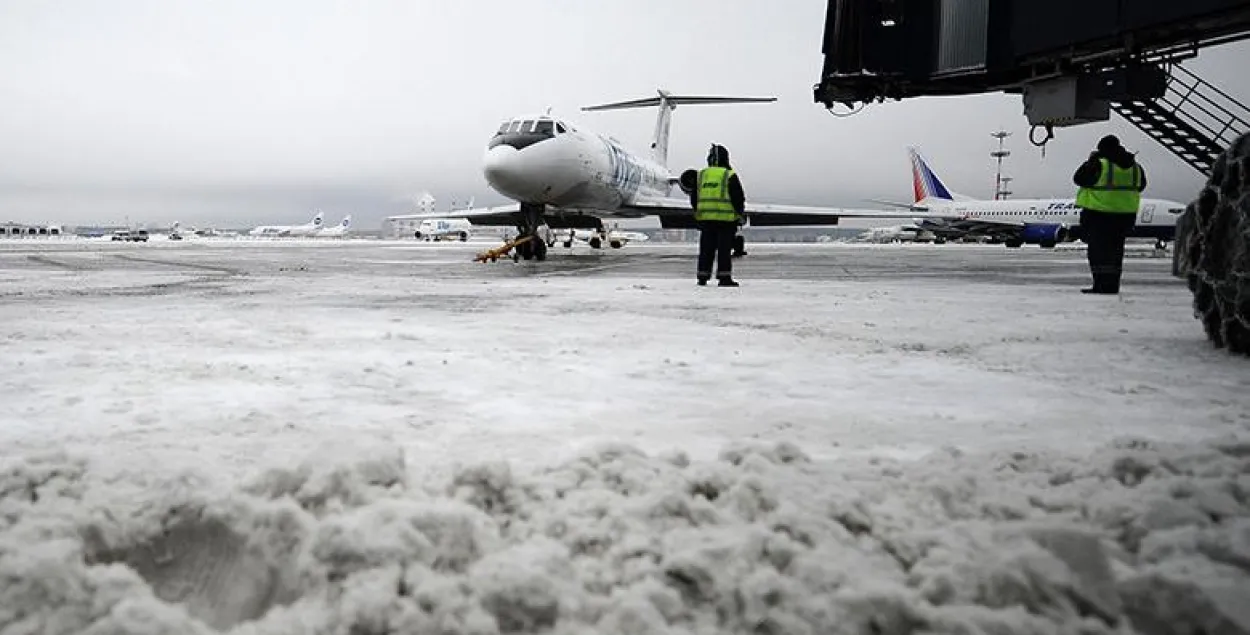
[[544, 127]]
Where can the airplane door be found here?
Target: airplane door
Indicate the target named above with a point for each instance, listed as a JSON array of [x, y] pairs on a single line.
[[1147, 214]]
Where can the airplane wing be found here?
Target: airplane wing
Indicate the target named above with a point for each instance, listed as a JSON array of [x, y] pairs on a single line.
[[767, 215], [498, 215], [911, 206]]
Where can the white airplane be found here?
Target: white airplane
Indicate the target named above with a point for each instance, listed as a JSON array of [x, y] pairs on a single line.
[[1041, 221], [338, 231], [614, 238], [563, 176], [287, 231]]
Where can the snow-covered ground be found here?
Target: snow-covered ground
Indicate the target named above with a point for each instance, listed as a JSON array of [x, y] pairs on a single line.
[[376, 437]]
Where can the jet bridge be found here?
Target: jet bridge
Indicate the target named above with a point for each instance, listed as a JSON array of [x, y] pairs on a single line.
[[1074, 62]]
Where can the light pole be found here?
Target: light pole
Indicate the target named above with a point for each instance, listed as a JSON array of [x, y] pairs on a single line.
[[999, 155]]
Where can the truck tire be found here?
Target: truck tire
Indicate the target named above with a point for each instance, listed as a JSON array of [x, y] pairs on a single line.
[[1212, 250]]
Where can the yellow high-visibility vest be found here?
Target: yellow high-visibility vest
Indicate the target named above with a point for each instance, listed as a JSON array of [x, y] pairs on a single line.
[[1118, 190], [713, 203]]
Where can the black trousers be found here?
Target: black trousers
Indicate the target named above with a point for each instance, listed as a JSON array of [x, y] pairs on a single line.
[[716, 242], [1105, 233]]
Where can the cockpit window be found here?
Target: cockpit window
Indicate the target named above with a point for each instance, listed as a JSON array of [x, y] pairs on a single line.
[[503, 127], [514, 126], [560, 128], [527, 125], [544, 127]]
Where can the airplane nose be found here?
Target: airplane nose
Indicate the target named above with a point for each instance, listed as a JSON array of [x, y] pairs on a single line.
[[505, 171]]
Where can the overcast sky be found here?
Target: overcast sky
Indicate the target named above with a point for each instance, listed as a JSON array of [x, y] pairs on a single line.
[[239, 112]]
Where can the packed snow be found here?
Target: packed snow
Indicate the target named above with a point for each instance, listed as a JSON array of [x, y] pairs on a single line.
[[199, 441]]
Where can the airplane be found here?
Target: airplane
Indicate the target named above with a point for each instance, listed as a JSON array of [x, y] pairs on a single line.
[[614, 238], [563, 176], [338, 231], [1014, 222], [285, 231]]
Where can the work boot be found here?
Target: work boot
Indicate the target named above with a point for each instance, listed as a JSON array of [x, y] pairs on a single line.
[[703, 281], [1104, 284], [727, 282]]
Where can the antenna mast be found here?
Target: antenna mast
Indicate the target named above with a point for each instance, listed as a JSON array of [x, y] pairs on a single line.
[[1000, 181]]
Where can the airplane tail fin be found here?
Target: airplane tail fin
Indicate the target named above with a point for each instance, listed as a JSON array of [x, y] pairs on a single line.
[[346, 222], [926, 185], [667, 103], [319, 218]]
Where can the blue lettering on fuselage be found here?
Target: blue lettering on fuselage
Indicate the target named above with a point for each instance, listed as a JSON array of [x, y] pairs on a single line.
[[626, 172]]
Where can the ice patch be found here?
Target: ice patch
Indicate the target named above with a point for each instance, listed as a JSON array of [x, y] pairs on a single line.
[[1136, 536]]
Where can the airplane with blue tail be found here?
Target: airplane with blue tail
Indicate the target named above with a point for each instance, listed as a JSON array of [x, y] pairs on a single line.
[[1014, 222]]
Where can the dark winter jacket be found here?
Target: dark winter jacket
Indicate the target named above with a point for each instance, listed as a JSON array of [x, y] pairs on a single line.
[[720, 158], [1087, 175]]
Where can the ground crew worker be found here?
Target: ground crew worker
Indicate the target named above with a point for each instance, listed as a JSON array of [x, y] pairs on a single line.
[[1111, 182], [718, 203]]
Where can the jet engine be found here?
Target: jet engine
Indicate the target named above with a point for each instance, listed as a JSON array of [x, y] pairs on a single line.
[[1046, 236], [688, 180]]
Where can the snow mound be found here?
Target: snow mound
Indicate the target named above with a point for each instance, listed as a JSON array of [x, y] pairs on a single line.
[[1136, 536], [1214, 251]]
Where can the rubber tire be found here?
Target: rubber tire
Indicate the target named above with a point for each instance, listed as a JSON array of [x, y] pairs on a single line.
[[1213, 250]]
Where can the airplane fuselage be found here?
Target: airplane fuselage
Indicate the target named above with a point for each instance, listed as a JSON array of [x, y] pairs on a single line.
[[552, 163], [1155, 219]]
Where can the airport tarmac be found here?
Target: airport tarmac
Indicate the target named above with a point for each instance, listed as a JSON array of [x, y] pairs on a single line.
[[377, 436], [850, 348]]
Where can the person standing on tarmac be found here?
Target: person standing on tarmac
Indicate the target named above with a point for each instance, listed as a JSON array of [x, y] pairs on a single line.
[[1111, 182], [718, 203]]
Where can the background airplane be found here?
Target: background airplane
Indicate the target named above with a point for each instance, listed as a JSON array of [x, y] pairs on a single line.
[[338, 231], [614, 238], [307, 229], [563, 176], [1014, 222]]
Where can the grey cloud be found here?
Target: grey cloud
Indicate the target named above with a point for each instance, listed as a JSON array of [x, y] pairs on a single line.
[[255, 112]]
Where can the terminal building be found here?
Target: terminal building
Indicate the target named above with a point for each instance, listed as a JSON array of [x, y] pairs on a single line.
[[18, 230]]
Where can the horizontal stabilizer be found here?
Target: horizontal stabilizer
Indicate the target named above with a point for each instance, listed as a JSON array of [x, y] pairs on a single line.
[[678, 100], [667, 103]]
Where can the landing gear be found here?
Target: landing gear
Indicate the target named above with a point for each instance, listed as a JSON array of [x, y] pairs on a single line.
[[1013, 243], [1161, 245], [531, 223]]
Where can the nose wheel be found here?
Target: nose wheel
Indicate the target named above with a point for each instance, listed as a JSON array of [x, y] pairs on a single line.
[[531, 224]]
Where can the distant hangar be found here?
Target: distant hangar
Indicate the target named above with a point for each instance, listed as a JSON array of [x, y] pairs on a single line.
[[17, 230]]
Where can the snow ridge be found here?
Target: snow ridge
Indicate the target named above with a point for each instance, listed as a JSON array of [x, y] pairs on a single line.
[[1136, 537]]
